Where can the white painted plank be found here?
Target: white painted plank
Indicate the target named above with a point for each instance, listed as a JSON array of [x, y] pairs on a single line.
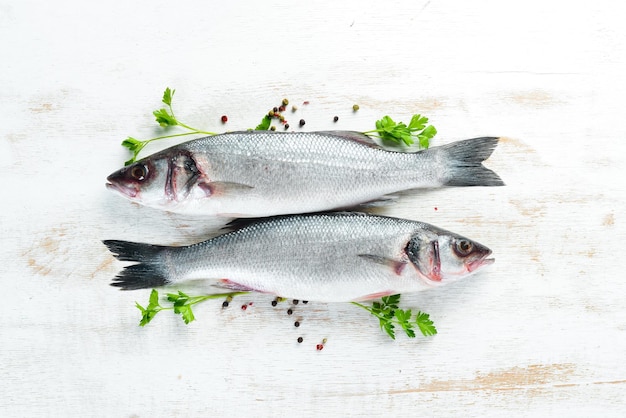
[[541, 333]]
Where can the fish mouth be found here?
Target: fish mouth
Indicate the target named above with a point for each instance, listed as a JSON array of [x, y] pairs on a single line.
[[124, 190], [481, 262]]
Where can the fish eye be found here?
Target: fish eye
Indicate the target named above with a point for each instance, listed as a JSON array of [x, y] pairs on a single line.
[[139, 172], [464, 247]]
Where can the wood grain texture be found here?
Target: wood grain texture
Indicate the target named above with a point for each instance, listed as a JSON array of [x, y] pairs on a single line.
[[541, 333]]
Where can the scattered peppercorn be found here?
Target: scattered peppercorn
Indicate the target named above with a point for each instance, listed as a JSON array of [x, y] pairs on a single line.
[[306, 102], [294, 108], [296, 324], [286, 126], [274, 303], [324, 341], [244, 307], [224, 119], [300, 339], [225, 304], [295, 301], [289, 311], [272, 128], [275, 109], [336, 118], [250, 303], [285, 102], [281, 108], [229, 298], [271, 113], [305, 301], [302, 122], [319, 347], [281, 118], [355, 107]]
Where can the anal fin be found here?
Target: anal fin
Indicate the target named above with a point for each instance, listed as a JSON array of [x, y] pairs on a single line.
[[376, 295], [396, 265], [237, 287]]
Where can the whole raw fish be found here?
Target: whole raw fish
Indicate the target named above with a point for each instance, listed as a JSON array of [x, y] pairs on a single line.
[[264, 173], [331, 257]]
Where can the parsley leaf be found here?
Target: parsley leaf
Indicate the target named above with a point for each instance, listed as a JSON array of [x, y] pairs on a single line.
[[425, 325], [418, 122], [168, 94], [389, 130], [265, 124], [181, 305], [135, 146], [389, 329], [391, 301], [390, 315], [165, 118], [153, 307]]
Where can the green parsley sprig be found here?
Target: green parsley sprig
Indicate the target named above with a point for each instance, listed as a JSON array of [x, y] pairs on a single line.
[[390, 315], [166, 118], [265, 123], [387, 311], [181, 305], [397, 132]]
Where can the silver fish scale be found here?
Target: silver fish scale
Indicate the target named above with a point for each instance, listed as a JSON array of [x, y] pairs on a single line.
[[297, 172], [296, 147], [316, 257], [259, 174]]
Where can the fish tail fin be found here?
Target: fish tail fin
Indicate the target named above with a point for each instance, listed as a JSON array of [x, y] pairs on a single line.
[[463, 162], [150, 271]]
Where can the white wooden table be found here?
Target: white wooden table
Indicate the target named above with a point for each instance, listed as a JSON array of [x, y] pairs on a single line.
[[541, 333]]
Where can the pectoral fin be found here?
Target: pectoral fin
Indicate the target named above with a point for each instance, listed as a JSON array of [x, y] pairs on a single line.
[[396, 265], [212, 188], [386, 200]]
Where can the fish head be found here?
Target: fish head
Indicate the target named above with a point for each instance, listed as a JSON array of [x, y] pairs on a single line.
[[443, 257], [162, 180]]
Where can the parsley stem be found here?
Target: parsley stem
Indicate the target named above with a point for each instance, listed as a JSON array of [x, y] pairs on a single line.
[[147, 141], [197, 299], [169, 136], [369, 309], [194, 129], [172, 111], [183, 134]]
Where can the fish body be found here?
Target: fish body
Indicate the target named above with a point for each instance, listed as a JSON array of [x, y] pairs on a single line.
[[264, 173], [329, 257]]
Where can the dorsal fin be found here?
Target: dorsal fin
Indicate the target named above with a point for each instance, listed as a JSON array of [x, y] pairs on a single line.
[[354, 136], [240, 223]]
